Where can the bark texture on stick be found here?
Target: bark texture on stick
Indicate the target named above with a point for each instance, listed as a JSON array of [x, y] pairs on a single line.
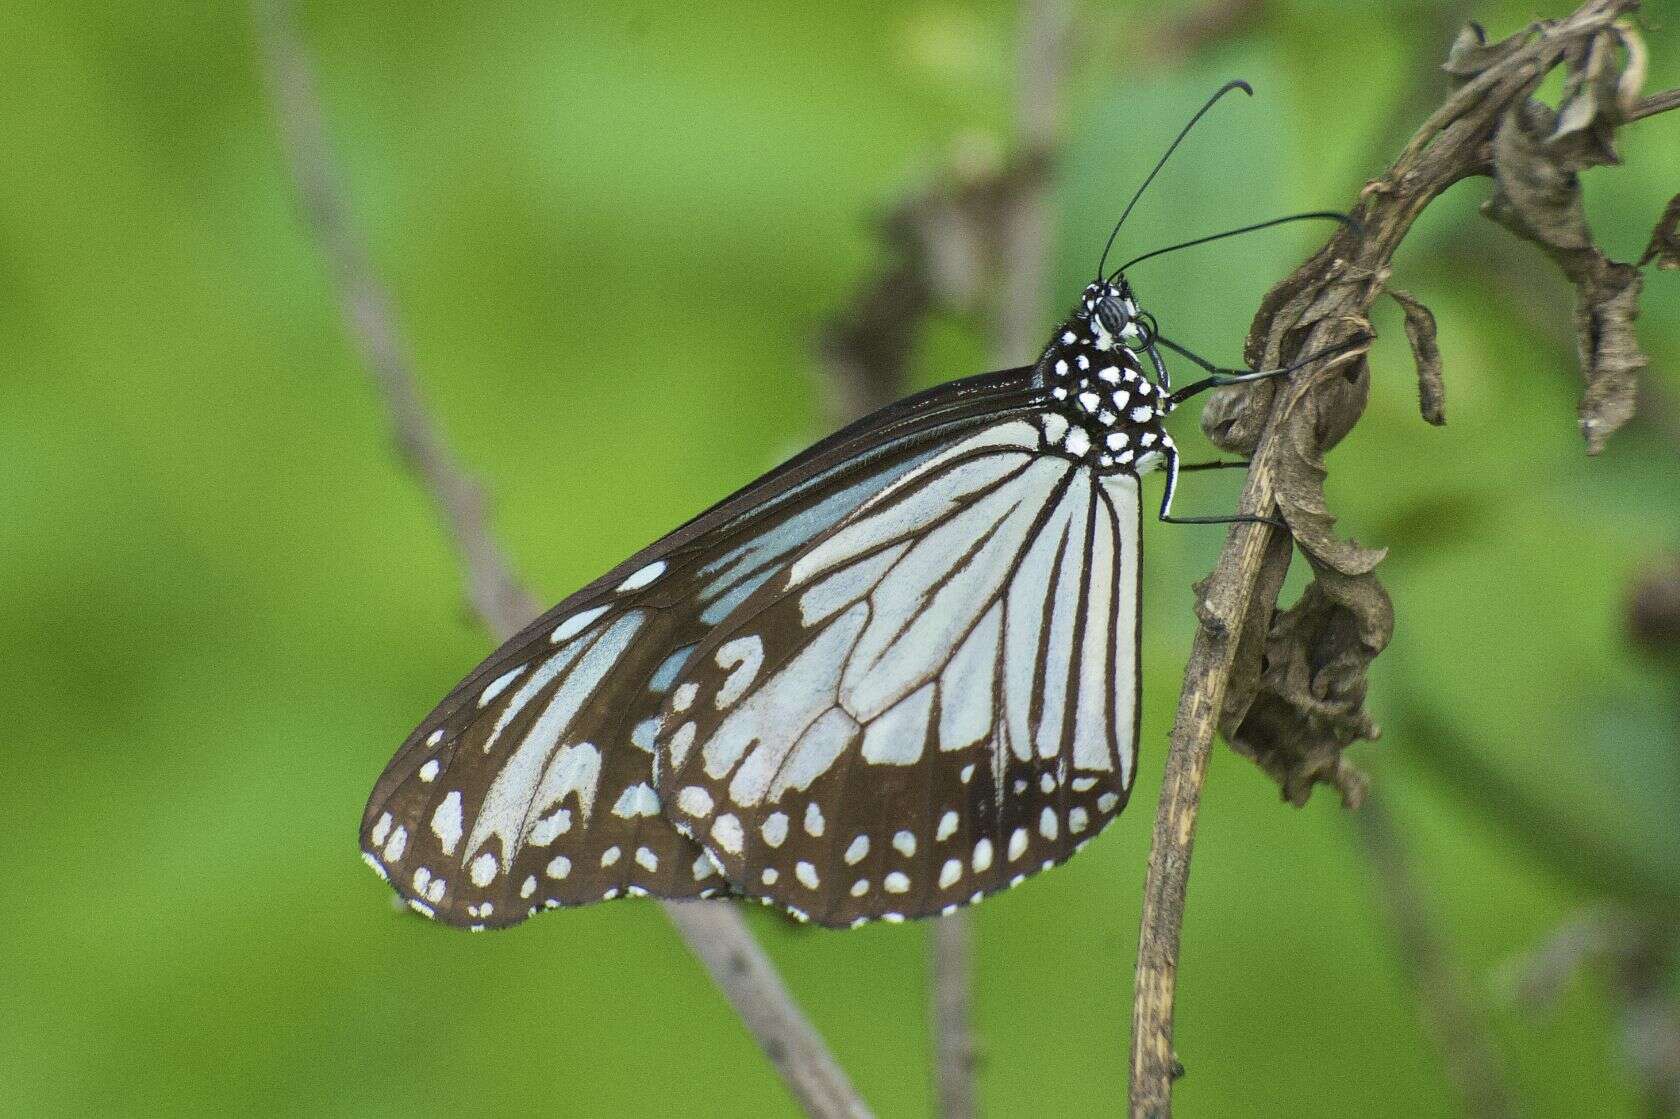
[[714, 931], [1287, 689]]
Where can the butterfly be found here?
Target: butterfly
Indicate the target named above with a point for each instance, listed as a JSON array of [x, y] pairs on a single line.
[[893, 676]]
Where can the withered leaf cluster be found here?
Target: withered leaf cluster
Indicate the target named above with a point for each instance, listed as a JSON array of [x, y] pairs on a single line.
[[1295, 696]]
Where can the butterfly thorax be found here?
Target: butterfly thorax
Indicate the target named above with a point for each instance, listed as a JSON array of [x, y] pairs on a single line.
[[1105, 409]]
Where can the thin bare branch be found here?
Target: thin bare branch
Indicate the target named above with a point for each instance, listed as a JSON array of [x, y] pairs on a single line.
[[1041, 71], [1473, 1066], [1180, 35], [1297, 725], [714, 931], [1016, 320], [1667, 100], [955, 1051]]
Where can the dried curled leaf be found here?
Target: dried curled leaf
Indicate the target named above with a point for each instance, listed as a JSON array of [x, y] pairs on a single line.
[[1537, 195], [1664, 247], [1420, 329], [1471, 53], [1300, 484], [1309, 705]]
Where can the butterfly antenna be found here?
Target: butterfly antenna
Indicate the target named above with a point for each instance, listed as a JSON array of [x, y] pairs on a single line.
[[1313, 215], [1223, 90]]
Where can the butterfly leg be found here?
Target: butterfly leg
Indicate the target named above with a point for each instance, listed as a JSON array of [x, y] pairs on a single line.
[[1169, 452], [1222, 375], [1163, 379]]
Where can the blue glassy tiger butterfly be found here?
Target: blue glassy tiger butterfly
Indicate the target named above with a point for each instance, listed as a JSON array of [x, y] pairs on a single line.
[[893, 676]]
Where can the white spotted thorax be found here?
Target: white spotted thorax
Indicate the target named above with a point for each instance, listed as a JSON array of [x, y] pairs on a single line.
[[1109, 410]]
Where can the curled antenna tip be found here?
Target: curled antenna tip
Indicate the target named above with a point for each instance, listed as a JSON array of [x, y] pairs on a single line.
[[1238, 83]]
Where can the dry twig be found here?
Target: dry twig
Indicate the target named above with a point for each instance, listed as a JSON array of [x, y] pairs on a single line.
[[1287, 689], [1473, 1066], [714, 931]]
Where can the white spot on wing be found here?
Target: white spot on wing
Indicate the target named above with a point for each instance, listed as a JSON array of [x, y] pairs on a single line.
[[947, 826], [744, 655], [905, 842], [643, 576], [726, 831], [637, 800], [695, 801], [550, 827], [499, 685], [858, 848], [949, 873], [982, 861], [575, 624], [775, 828], [807, 875], [558, 867], [644, 734], [429, 771], [483, 870], [814, 820], [896, 882], [446, 821]]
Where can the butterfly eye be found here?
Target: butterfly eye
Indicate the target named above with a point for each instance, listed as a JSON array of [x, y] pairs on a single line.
[[1112, 316]]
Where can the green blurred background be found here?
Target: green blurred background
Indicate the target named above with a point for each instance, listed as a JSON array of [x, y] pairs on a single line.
[[226, 603]]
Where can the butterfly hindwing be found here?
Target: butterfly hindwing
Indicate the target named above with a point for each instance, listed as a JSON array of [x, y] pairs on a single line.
[[931, 700], [532, 783]]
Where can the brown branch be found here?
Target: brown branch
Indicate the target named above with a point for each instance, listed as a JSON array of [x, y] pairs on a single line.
[[1176, 38], [1636, 955], [1473, 1065], [956, 1054], [1295, 718], [714, 931], [1656, 103]]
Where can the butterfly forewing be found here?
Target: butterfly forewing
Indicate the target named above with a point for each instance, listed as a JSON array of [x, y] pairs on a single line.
[[933, 699], [532, 784]]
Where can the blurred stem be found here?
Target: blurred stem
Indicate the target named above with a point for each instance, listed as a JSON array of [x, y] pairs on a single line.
[[1574, 854], [713, 930], [1017, 315], [956, 1057], [1473, 1066]]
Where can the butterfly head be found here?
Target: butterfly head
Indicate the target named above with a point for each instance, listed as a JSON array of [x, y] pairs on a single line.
[[1109, 315]]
